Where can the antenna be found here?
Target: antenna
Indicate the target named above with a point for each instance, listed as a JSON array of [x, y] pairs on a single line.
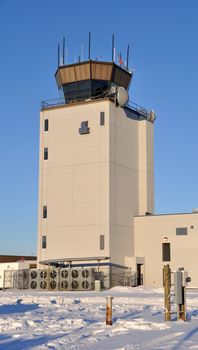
[[82, 52], [127, 62], [63, 50], [113, 48], [58, 55], [89, 56], [66, 55]]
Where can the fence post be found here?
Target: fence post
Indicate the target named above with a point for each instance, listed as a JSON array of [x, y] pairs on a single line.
[[109, 310], [167, 285]]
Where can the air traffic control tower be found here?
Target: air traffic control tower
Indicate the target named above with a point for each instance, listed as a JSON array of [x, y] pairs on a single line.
[[96, 166]]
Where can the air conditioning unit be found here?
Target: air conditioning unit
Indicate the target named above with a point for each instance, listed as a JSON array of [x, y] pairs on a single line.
[[54, 279], [65, 279], [75, 279], [82, 279], [43, 280], [33, 279], [87, 279], [39, 280]]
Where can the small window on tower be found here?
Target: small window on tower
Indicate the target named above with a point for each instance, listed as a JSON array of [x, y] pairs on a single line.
[[102, 243], [181, 231], [46, 125], [102, 118], [45, 212], [45, 153], [44, 242], [84, 128]]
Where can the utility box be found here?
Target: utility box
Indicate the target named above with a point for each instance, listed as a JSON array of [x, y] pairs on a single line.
[[97, 285], [185, 278], [10, 269], [178, 290]]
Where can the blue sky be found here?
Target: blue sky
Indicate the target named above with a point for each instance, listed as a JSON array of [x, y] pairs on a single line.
[[164, 53]]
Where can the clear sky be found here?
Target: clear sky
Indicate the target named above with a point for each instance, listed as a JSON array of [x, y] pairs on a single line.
[[164, 54]]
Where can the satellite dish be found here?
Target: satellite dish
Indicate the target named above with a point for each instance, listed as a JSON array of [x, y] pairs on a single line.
[[152, 116], [122, 96], [113, 89]]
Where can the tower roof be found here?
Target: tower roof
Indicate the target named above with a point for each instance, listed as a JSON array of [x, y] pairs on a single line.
[[90, 79]]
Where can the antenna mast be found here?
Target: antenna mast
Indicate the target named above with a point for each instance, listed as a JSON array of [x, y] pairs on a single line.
[[63, 50], [127, 62], [113, 48], [89, 56], [58, 55]]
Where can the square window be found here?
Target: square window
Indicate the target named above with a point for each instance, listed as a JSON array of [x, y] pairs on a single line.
[[84, 128], [181, 231], [45, 153]]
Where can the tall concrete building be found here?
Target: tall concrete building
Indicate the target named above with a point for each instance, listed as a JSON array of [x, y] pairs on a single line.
[[96, 182], [96, 166]]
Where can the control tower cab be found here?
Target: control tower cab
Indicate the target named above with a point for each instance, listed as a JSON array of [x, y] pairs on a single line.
[[91, 80]]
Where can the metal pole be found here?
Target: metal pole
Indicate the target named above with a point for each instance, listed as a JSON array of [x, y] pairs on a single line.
[[89, 56], [127, 62], [167, 282], [109, 310], [63, 50], [58, 55], [113, 48], [181, 311]]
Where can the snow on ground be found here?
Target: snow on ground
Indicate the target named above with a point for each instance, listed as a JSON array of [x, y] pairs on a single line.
[[76, 320]]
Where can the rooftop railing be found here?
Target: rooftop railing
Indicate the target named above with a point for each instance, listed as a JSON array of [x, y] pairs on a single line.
[[61, 102]]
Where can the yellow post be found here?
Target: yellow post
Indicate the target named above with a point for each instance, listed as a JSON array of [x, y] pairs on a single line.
[[109, 310], [167, 285]]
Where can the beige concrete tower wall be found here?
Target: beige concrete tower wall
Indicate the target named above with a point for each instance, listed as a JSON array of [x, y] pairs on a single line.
[[123, 180], [131, 178], [152, 231], [74, 182], [146, 167]]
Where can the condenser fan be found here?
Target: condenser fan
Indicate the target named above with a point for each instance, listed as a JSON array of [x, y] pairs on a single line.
[[43, 274], [53, 284], [64, 274], [43, 284], [85, 273], [85, 284], [33, 285], [53, 274], [33, 274], [75, 274], [74, 284], [64, 285]]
